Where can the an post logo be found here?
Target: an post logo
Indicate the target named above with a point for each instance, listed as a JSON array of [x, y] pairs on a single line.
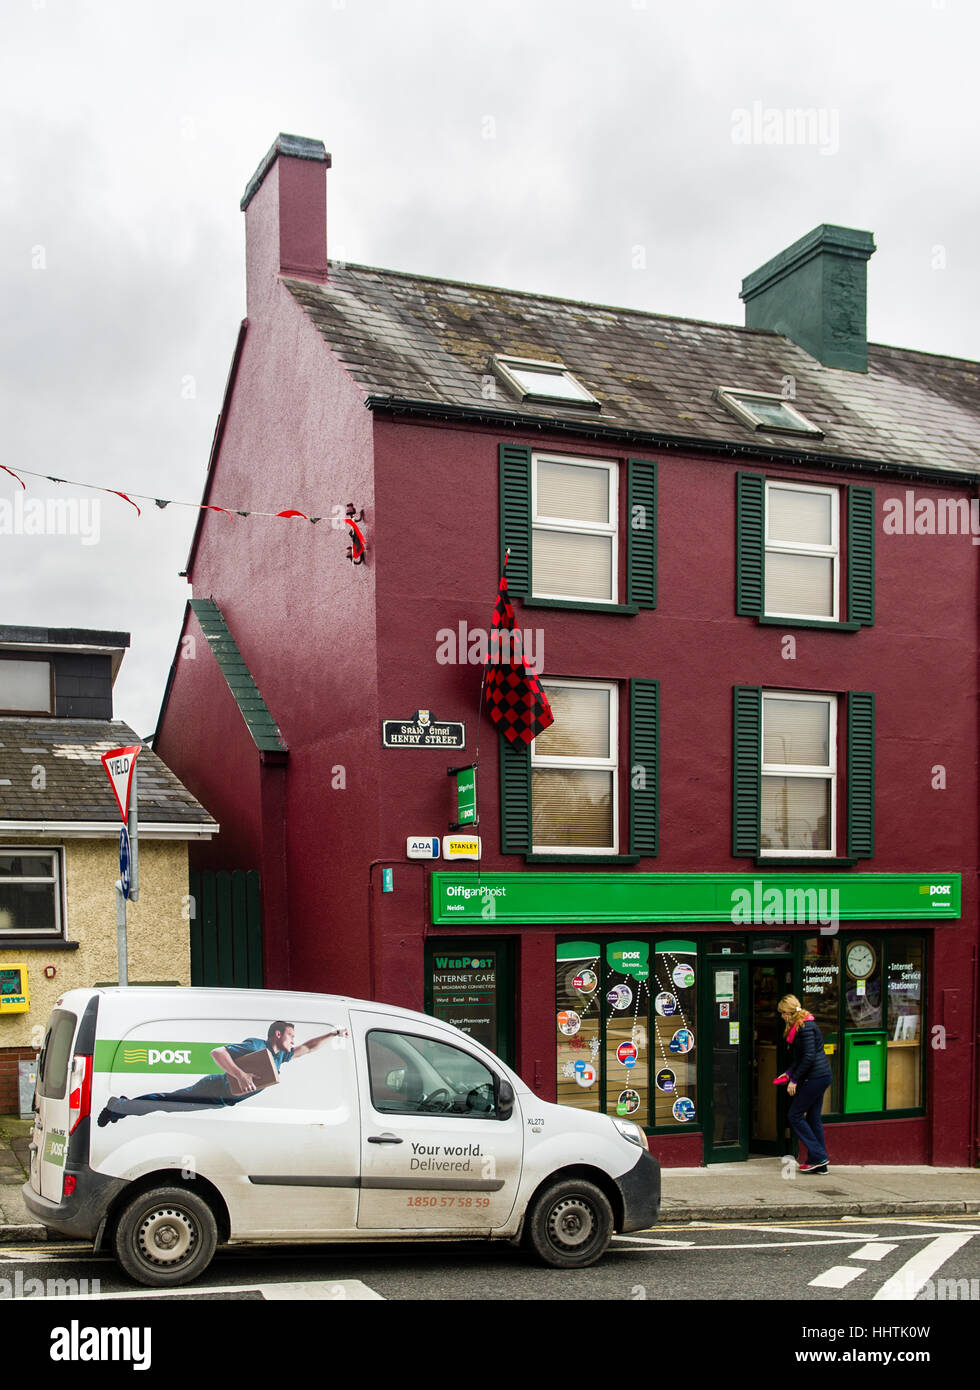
[[154, 1056]]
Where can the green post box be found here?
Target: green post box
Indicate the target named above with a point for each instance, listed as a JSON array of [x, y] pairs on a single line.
[[864, 1071]]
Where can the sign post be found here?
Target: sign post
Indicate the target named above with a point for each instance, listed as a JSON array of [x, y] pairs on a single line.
[[120, 766]]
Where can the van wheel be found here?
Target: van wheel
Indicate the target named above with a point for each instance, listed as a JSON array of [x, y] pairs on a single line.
[[166, 1236], [570, 1225]]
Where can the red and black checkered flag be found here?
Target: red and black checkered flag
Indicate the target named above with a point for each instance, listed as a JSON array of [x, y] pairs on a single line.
[[517, 704]]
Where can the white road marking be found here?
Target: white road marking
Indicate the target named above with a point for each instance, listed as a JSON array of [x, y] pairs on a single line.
[[338, 1290], [757, 1245], [648, 1240], [802, 1231], [835, 1278], [935, 1224], [32, 1255], [906, 1282], [877, 1250]]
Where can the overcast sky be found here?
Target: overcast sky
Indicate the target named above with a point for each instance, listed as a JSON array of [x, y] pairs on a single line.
[[631, 152]]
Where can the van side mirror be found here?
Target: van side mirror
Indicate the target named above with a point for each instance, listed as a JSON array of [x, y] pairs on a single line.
[[505, 1099]]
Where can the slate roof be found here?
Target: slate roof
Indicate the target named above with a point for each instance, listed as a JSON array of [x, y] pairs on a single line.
[[76, 786], [412, 339], [247, 696]]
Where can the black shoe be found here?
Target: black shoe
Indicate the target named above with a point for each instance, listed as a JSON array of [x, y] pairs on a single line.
[[814, 1167], [107, 1116]]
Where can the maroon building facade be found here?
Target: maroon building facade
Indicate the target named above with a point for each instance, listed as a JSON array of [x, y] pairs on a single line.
[[743, 567]]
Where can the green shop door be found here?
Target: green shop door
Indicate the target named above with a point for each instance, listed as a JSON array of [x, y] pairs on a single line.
[[726, 1132]]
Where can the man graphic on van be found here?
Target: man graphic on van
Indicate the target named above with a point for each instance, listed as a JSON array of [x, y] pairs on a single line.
[[232, 1084]]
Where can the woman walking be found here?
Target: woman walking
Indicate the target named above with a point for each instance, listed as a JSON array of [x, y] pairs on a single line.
[[807, 1078]]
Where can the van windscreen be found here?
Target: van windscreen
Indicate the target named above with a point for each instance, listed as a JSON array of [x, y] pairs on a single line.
[[57, 1055]]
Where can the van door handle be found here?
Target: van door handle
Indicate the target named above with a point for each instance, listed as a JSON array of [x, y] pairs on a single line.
[[384, 1139]]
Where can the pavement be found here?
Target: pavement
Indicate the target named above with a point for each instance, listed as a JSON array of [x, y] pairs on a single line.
[[761, 1189]]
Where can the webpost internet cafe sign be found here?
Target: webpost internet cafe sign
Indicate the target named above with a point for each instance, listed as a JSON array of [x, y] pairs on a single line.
[[742, 899]]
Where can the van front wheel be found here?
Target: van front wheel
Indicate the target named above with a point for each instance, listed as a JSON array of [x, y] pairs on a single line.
[[165, 1237], [570, 1224]]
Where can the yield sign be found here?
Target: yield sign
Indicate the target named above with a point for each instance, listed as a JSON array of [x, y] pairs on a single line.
[[120, 764]]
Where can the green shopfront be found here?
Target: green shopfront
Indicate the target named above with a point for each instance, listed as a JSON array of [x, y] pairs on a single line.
[[661, 997]]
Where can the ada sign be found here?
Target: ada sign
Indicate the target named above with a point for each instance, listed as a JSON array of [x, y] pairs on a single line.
[[423, 847], [120, 764]]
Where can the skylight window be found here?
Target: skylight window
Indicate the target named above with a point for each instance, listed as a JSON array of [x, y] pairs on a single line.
[[761, 411], [543, 381]]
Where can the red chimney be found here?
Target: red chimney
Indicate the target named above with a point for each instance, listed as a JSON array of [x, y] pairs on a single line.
[[285, 206]]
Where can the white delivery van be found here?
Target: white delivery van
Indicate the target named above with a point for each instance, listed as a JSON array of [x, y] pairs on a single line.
[[169, 1120]]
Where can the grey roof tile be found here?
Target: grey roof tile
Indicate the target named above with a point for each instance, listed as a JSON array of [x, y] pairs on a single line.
[[75, 786], [413, 338]]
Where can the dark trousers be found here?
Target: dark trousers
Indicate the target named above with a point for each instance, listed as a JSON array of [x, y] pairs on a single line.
[[209, 1092], [804, 1117]]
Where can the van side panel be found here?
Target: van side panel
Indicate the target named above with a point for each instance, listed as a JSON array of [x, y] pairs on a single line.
[[284, 1156]]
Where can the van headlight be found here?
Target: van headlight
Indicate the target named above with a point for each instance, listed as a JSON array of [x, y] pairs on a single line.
[[631, 1132]]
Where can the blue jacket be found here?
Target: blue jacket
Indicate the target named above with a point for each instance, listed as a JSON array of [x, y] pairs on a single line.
[[809, 1061]]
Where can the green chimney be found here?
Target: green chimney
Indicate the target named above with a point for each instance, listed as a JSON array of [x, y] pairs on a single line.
[[815, 292]]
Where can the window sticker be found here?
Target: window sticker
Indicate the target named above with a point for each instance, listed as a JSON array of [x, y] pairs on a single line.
[[683, 1109], [569, 1022], [628, 1103], [620, 996]]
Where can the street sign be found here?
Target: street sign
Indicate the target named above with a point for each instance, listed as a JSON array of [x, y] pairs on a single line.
[[422, 731], [120, 764], [125, 861]]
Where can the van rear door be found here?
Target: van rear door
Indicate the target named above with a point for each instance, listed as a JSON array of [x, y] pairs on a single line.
[[52, 1124]]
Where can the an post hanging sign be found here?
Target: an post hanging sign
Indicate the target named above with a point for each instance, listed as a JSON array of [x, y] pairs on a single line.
[[120, 764]]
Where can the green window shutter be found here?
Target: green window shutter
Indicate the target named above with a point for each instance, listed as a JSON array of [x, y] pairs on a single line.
[[750, 544], [861, 774], [515, 797], [515, 517], [641, 533], [747, 771], [861, 555], [644, 766]]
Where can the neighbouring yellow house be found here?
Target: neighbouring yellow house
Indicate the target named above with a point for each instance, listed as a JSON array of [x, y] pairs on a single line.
[[59, 838]]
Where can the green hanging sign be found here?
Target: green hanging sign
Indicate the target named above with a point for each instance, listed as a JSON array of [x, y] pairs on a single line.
[[465, 796]]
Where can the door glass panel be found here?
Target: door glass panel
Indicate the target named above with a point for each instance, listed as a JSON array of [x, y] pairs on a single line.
[[726, 1042], [464, 993], [769, 984]]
